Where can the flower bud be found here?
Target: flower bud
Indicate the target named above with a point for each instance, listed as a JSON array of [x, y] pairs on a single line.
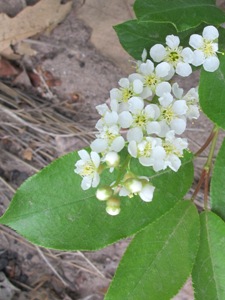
[[113, 206], [103, 193], [133, 185], [112, 159]]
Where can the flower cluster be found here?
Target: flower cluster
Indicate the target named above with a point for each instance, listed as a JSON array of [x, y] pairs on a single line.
[[145, 117]]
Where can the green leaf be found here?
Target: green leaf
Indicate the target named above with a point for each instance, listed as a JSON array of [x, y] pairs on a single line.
[[209, 271], [160, 258], [134, 36], [212, 94], [217, 190], [50, 209], [183, 14]]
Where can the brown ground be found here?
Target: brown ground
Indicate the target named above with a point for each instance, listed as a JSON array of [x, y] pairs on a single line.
[[74, 69]]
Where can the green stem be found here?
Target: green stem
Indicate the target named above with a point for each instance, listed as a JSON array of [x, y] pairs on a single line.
[[212, 148], [207, 167], [122, 170]]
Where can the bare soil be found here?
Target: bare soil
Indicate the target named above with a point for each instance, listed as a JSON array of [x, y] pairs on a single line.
[[47, 110]]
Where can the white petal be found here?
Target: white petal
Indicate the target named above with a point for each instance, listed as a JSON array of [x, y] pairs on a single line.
[[135, 134], [187, 55], [136, 104], [147, 192], [183, 69], [114, 105], [115, 94], [174, 162], [146, 161], [164, 128], [177, 91], [134, 76], [132, 148], [152, 111], [180, 107], [84, 155], [95, 158], [153, 127], [196, 41], [163, 87], [138, 86], [198, 58], [147, 92], [102, 109], [210, 33], [118, 144], [193, 112], [99, 145], [96, 180], [170, 74], [86, 183], [158, 52], [162, 69], [125, 119], [124, 83], [147, 68], [111, 117], [211, 64], [123, 192], [144, 55], [178, 125], [172, 41], [166, 99], [215, 47], [158, 155]]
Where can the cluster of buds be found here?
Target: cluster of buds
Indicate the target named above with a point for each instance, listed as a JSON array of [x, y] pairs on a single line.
[[145, 116]]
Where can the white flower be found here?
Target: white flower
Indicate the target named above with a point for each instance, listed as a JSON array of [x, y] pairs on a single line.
[[145, 150], [206, 47], [173, 115], [139, 116], [191, 98], [152, 76], [108, 139], [129, 87], [178, 57], [87, 167], [174, 150]]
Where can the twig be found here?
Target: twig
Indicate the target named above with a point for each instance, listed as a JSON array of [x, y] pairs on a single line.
[[51, 266], [90, 263]]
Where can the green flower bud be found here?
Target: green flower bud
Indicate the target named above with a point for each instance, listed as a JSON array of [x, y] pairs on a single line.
[[104, 193], [112, 159], [113, 206]]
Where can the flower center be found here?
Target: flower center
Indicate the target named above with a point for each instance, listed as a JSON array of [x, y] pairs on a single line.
[[170, 149], [140, 120], [145, 149], [151, 81], [87, 169], [208, 48], [168, 114], [173, 56], [127, 93]]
